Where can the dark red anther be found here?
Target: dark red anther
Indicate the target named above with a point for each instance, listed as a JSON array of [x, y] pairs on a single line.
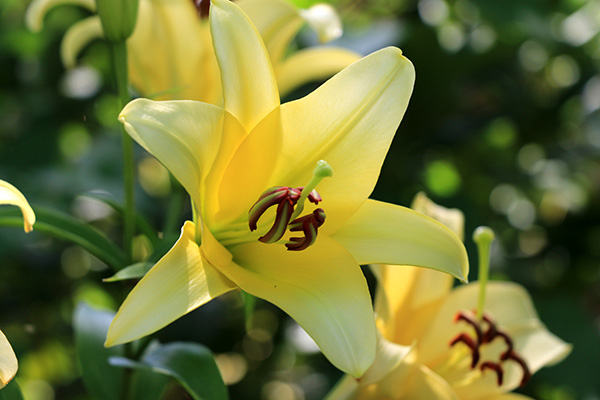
[[486, 337], [202, 6], [285, 209], [471, 344], [490, 332], [308, 225], [275, 195], [469, 318], [496, 367], [509, 344], [519, 360]]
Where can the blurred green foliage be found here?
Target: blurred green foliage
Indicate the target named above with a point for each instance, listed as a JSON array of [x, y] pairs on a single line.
[[504, 123]]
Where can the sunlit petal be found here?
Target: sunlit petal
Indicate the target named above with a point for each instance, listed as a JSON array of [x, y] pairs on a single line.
[[37, 10], [322, 288], [313, 64], [8, 361], [11, 195], [77, 37], [383, 233], [349, 122], [277, 21], [179, 283], [250, 169], [249, 86], [185, 136]]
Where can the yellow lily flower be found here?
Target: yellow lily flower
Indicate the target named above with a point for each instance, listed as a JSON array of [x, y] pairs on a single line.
[[171, 55], [429, 346], [237, 158], [8, 360]]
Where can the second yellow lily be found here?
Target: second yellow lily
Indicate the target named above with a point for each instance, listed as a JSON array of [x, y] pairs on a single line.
[[432, 346]]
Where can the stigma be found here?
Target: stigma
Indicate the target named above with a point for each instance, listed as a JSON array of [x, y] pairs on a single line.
[[483, 337], [289, 203]]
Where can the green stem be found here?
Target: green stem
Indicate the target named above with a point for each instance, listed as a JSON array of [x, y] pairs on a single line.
[[119, 58], [483, 237], [174, 208]]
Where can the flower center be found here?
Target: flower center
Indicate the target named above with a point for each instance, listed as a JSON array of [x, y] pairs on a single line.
[[483, 337], [290, 204]]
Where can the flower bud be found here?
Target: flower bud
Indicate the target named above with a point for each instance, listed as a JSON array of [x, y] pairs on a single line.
[[118, 18]]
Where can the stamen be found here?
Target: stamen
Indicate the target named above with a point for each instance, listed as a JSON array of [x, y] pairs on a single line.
[[519, 360], [485, 337], [491, 331], [286, 199], [308, 225], [469, 318], [202, 6], [496, 367], [471, 344], [284, 214], [509, 345]]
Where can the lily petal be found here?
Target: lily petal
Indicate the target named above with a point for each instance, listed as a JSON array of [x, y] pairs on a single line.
[[382, 233], [453, 218], [11, 195], [182, 64], [179, 283], [426, 384], [249, 86], [388, 357], [250, 169], [185, 136], [408, 294], [277, 21], [8, 361], [77, 37], [322, 288], [313, 64], [37, 10], [349, 122]]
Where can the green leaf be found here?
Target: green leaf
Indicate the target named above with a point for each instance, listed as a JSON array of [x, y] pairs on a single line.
[[12, 391], [147, 384], [190, 364], [101, 379], [142, 224], [133, 271], [66, 227]]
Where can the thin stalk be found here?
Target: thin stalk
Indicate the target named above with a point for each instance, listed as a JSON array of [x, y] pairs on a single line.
[[119, 58], [483, 237]]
